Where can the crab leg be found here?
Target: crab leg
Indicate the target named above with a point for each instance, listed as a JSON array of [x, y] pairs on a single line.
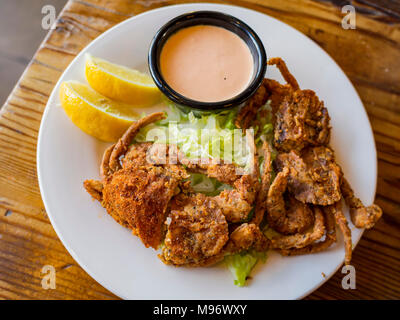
[[94, 188], [330, 238], [361, 216], [300, 240], [122, 145], [341, 221], [105, 170], [281, 65], [248, 112], [265, 184]]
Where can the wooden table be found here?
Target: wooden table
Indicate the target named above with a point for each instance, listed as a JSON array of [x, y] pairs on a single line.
[[370, 56]]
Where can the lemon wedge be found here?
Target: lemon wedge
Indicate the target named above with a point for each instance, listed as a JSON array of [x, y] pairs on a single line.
[[95, 114], [120, 83]]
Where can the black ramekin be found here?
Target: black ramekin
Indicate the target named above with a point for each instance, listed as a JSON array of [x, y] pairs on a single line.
[[216, 19]]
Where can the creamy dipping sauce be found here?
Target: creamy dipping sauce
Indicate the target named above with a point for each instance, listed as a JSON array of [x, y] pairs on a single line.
[[206, 63]]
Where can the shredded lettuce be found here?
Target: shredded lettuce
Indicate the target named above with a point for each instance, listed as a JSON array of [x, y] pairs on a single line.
[[241, 264], [209, 186], [201, 135]]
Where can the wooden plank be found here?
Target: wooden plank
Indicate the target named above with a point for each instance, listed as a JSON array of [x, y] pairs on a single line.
[[369, 55]]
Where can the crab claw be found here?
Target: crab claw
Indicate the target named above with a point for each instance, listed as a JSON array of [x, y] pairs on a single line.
[[365, 217]]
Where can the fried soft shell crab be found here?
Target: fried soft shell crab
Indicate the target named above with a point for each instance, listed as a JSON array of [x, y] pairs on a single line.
[[153, 198], [303, 203]]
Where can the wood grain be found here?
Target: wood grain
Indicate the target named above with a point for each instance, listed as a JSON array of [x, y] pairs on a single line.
[[369, 55]]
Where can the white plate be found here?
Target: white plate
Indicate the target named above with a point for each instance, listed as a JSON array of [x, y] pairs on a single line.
[[118, 260]]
